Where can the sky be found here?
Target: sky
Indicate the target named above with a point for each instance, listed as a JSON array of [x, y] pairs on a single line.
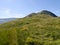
[[21, 8]]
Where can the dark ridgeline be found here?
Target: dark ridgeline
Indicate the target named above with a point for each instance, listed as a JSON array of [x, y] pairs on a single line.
[[45, 12], [48, 13]]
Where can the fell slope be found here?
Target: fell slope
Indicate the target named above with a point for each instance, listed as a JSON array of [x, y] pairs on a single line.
[[40, 29]]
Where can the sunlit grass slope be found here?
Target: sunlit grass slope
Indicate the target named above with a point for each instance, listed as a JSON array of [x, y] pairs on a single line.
[[34, 29]]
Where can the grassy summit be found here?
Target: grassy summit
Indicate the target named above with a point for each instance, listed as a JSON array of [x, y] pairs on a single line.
[[34, 29]]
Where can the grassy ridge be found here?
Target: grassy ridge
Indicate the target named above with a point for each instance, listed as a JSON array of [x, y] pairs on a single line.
[[40, 29]]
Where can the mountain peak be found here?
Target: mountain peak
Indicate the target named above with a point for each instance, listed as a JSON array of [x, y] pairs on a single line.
[[48, 13], [45, 12]]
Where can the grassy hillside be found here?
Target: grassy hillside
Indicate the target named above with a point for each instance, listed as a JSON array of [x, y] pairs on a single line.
[[34, 29]]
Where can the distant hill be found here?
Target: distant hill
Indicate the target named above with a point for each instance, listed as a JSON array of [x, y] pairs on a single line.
[[35, 29], [6, 20]]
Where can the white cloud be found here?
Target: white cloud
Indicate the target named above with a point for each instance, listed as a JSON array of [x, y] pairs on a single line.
[[8, 13]]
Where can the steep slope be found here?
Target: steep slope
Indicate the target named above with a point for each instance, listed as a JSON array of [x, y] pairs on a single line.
[[40, 29]]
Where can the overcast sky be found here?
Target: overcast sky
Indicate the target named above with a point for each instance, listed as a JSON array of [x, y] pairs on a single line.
[[21, 8]]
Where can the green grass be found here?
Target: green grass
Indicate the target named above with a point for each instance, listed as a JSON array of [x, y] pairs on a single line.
[[40, 29]]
